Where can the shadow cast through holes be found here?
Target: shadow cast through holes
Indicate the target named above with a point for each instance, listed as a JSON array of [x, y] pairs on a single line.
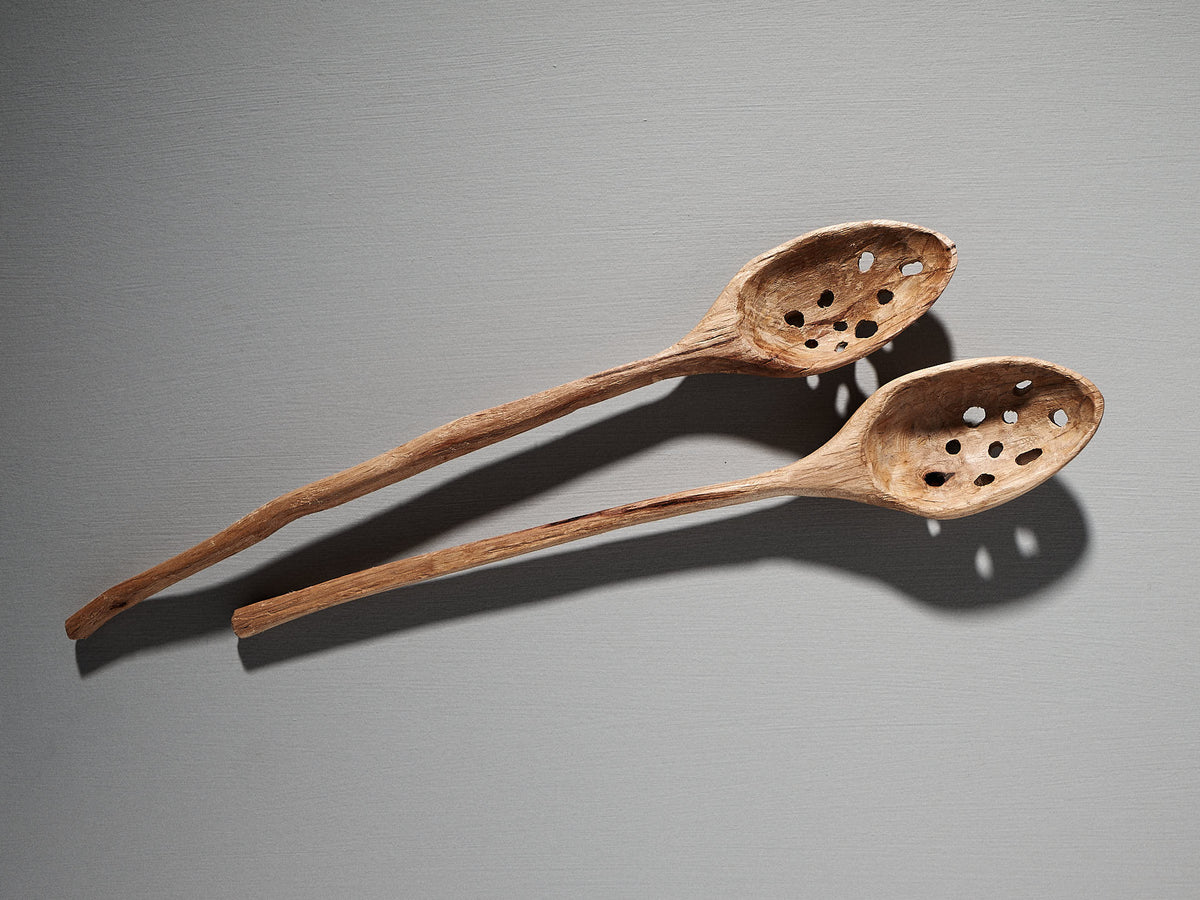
[[793, 414]]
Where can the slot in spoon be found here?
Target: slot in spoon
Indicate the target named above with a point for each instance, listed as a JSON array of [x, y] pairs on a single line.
[[943, 442], [818, 302]]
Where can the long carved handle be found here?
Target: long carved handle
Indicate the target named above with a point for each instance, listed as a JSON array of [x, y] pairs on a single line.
[[438, 446], [258, 617]]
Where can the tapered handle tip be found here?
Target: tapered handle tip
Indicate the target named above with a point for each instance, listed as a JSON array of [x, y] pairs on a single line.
[[266, 614], [243, 625], [85, 622]]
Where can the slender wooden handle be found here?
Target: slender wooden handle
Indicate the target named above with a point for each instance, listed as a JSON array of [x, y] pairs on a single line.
[[258, 617], [438, 446]]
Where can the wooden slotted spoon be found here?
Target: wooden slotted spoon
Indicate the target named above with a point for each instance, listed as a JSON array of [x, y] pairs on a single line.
[[943, 442], [813, 304]]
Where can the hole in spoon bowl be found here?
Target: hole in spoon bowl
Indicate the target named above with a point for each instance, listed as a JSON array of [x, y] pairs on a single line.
[[840, 326], [1024, 459], [912, 268], [936, 479], [953, 446], [1022, 388], [825, 300], [795, 318], [995, 449], [884, 297], [866, 261], [865, 329], [1060, 418], [974, 416], [1010, 417], [985, 479]]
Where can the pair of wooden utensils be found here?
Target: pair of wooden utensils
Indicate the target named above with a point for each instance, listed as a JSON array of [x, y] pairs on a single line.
[[943, 442]]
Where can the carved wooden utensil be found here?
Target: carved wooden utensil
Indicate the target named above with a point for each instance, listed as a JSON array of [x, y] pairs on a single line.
[[943, 442], [815, 303]]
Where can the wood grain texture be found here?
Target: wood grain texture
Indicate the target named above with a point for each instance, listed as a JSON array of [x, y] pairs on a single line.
[[924, 444], [788, 312]]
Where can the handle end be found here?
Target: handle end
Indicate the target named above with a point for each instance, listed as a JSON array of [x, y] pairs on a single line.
[[85, 621], [264, 615], [244, 625]]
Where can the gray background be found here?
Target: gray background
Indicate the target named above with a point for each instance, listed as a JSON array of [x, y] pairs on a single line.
[[248, 244]]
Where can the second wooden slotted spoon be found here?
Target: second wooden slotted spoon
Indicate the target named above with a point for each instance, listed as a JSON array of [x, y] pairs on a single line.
[[813, 304], [942, 443]]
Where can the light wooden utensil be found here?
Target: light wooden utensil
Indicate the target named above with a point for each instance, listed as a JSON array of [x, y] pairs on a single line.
[[815, 303], [944, 442]]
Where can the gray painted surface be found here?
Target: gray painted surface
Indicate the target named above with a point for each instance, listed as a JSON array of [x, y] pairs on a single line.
[[246, 245]]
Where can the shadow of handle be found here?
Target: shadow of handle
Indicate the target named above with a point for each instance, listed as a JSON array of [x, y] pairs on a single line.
[[794, 415], [1029, 543]]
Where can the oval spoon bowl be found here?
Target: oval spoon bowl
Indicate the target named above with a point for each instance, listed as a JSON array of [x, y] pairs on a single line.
[[835, 295], [949, 447]]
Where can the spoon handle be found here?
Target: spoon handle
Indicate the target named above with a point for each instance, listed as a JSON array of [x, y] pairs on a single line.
[[258, 617], [445, 443]]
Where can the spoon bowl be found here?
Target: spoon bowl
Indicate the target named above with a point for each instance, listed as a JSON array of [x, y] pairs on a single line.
[[943, 442], [825, 299], [960, 438]]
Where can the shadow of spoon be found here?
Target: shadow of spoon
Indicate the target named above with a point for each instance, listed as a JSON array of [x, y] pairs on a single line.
[[1001, 556], [787, 414]]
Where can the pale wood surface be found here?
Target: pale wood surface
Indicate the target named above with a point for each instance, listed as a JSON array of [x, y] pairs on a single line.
[[818, 302], [915, 445]]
